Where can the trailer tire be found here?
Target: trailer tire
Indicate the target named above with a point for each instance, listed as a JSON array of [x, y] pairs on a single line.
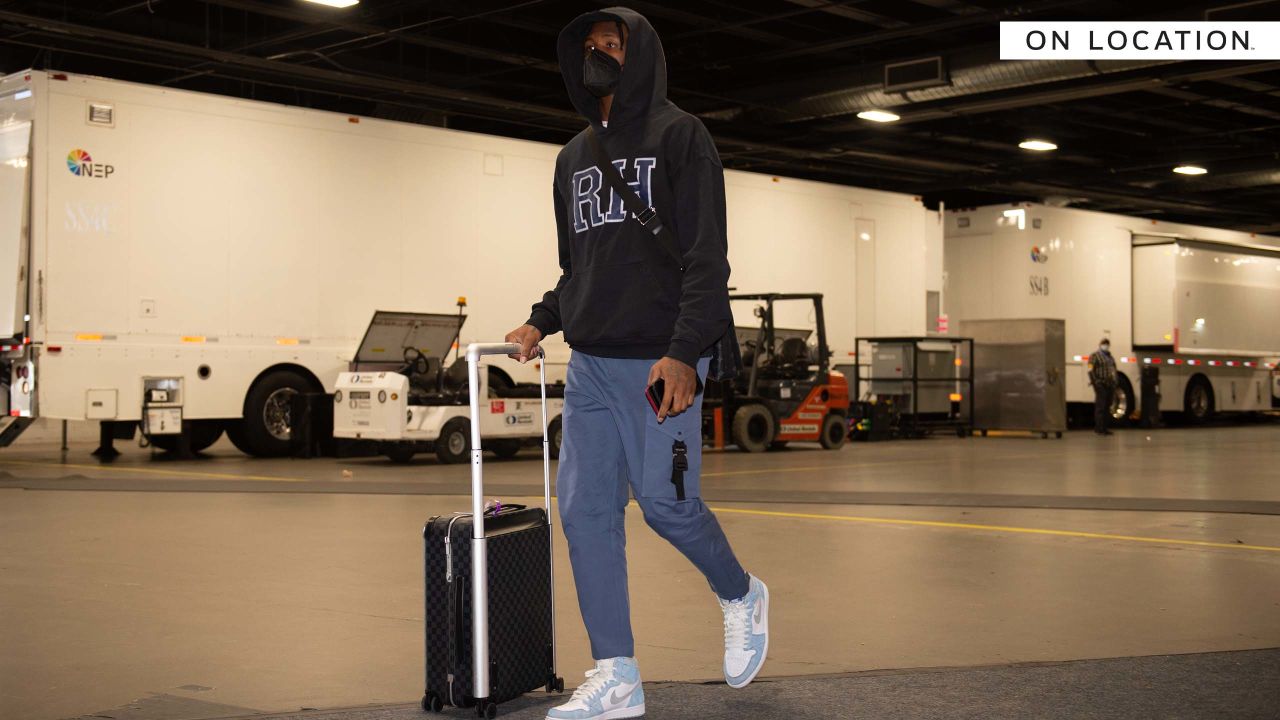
[[555, 435], [834, 431], [454, 444], [1197, 403], [753, 428], [266, 424], [235, 433], [1122, 402]]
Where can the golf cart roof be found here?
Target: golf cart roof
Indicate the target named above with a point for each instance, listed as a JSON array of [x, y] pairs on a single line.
[[389, 333]]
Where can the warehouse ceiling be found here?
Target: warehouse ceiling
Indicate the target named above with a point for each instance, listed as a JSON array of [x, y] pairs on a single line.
[[778, 82]]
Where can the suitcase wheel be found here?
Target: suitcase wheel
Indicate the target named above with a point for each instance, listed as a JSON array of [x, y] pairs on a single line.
[[486, 709], [555, 684], [432, 702]]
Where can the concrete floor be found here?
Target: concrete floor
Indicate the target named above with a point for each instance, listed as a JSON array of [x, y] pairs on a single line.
[[225, 585]]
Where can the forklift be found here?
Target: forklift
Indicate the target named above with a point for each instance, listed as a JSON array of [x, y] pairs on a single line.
[[786, 391]]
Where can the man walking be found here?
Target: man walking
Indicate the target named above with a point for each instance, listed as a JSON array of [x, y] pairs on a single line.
[[632, 317], [1102, 376]]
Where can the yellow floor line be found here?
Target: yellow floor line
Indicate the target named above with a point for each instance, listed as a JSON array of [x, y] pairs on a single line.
[[995, 528], [739, 511], [847, 466], [135, 469]]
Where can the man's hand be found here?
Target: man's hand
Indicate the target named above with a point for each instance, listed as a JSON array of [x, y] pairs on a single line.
[[528, 338], [679, 382]]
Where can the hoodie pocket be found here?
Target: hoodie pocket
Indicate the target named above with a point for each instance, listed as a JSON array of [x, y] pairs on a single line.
[[617, 305]]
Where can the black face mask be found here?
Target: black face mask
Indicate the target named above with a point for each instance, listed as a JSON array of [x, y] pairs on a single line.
[[600, 73]]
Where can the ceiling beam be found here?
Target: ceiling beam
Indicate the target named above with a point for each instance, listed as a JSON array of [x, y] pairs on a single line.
[[844, 10], [278, 68]]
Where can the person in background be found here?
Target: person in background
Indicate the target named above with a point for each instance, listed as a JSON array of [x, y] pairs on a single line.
[[1102, 376]]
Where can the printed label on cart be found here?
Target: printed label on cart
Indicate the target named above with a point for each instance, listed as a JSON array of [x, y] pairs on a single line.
[[809, 416], [525, 419], [798, 429], [497, 407]]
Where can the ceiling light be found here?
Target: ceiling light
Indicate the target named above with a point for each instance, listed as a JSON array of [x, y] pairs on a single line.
[[880, 116], [1190, 170], [1038, 145], [336, 3]]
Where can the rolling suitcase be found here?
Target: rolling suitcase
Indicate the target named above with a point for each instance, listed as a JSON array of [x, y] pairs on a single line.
[[490, 612]]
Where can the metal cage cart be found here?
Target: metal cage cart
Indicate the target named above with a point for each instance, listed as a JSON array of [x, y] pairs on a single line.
[[912, 386], [1021, 375]]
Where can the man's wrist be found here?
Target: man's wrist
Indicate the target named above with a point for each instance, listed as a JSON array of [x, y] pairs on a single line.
[[684, 351], [538, 324]]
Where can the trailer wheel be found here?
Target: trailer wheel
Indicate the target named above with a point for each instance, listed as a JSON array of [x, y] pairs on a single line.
[[753, 428], [235, 433], [505, 448], [454, 444], [555, 434], [267, 416], [834, 431], [1198, 400], [201, 435], [1122, 402]]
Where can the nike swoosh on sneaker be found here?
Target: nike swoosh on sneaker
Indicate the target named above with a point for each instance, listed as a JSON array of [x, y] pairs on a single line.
[[615, 700], [755, 621]]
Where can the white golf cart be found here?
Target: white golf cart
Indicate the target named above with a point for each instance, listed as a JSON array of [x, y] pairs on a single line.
[[400, 395]]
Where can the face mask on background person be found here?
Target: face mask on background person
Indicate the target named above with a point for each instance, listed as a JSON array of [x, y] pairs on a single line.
[[1106, 347], [600, 73]]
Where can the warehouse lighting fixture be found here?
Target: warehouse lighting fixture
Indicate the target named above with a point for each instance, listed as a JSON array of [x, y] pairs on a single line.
[[336, 3], [1190, 170], [1037, 145], [880, 116]]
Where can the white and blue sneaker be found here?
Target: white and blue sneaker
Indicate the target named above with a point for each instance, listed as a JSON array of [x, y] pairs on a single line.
[[746, 634], [612, 691]]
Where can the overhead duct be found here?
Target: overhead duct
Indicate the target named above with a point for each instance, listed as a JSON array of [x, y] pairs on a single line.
[[970, 74]]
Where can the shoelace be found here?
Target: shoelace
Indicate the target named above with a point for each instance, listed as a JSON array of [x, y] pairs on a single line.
[[595, 683], [737, 624]]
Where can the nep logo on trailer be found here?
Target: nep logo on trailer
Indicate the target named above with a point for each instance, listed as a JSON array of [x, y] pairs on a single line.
[[1039, 254], [81, 164]]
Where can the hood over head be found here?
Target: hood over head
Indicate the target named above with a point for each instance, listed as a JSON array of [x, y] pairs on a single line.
[[643, 83]]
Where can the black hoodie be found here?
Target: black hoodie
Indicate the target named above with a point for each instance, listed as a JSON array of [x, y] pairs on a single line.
[[619, 295]]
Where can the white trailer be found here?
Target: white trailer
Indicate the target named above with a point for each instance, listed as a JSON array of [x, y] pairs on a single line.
[[1198, 302], [228, 253]]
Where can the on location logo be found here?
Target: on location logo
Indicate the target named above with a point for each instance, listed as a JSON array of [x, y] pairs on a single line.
[[81, 164], [1039, 254]]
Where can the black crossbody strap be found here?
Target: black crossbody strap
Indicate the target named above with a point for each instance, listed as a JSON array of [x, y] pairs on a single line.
[[647, 216]]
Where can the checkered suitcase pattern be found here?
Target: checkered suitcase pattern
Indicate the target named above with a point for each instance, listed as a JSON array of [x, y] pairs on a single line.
[[520, 622], [519, 590]]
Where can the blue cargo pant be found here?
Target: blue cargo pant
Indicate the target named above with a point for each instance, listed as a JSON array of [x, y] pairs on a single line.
[[612, 439]]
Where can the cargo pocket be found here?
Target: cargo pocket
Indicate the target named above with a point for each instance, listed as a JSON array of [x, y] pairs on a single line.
[[659, 455]]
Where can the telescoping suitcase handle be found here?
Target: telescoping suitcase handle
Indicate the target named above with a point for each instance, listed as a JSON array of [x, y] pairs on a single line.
[[479, 555]]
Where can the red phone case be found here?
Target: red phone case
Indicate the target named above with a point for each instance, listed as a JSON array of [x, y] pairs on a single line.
[[655, 401]]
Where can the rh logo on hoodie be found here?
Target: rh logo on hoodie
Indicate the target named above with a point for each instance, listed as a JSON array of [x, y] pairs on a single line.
[[589, 211]]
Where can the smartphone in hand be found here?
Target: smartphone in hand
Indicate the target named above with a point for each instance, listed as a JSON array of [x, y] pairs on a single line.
[[653, 393]]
